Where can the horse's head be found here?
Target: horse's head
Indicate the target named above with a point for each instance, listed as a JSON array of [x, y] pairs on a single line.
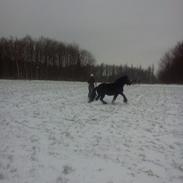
[[127, 80], [124, 80]]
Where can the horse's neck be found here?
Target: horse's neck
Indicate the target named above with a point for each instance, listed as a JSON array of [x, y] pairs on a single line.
[[119, 84]]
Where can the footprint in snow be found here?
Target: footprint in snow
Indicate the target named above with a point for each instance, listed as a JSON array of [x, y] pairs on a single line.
[[67, 169]]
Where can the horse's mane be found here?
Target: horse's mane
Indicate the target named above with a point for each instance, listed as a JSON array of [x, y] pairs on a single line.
[[121, 79]]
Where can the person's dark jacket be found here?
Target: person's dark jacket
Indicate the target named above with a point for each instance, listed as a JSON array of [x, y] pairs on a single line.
[[91, 81]]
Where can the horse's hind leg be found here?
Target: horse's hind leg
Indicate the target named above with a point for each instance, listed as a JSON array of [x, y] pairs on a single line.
[[98, 96], [114, 98], [124, 98], [101, 99]]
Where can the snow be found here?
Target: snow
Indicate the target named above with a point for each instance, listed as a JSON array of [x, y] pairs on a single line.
[[49, 133]]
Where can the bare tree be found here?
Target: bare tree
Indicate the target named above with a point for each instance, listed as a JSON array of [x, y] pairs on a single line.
[[171, 65]]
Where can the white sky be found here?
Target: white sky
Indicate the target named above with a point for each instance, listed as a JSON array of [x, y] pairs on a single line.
[[135, 32]]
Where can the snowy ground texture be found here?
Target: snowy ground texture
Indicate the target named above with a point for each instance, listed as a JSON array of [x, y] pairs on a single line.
[[50, 134]]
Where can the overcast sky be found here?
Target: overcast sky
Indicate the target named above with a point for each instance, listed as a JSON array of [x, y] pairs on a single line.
[[134, 32]]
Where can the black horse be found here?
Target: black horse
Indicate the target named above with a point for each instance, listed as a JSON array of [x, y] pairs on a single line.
[[114, 89]]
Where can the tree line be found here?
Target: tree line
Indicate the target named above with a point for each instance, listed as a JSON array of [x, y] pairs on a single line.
[[109, 73], [44, 58], [48, 59], [171, 65]]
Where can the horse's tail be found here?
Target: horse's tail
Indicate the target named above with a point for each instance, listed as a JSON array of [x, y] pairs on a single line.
[[92, 95]]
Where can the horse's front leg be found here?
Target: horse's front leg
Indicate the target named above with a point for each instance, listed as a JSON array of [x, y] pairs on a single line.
[[124, 97], [101, 99], [114, 98]]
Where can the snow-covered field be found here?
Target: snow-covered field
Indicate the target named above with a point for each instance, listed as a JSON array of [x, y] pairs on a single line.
[[50, 134]]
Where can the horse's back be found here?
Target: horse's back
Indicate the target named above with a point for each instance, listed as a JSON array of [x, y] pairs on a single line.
[[109, 89]]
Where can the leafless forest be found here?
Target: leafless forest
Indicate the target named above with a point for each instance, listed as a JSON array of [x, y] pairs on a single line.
[[48, 59]]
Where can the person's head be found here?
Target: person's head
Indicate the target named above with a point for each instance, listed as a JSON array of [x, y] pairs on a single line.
[[91, 75]]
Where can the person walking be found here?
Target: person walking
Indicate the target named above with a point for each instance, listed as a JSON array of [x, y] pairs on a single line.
[[91, 84]]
